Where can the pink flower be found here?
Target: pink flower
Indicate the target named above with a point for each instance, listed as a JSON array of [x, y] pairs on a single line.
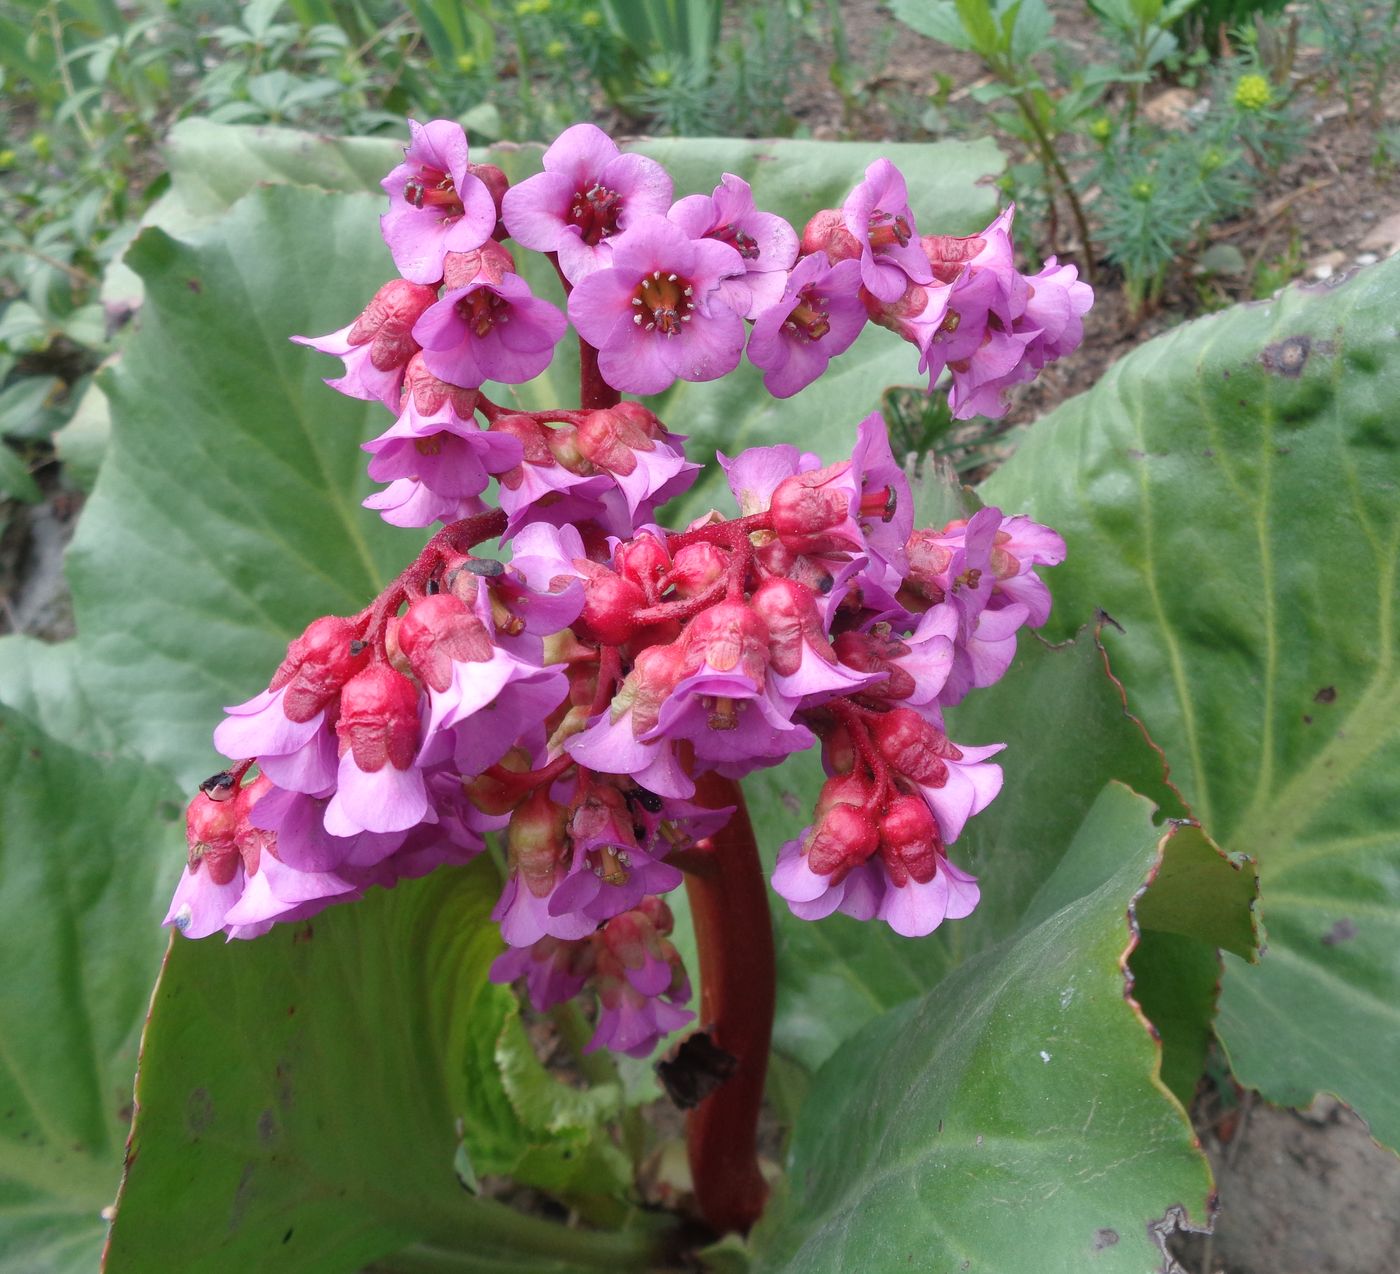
[[818, 316], [437, 446], [655, 313], [764, 240], [436, 205], [1000, 327], [489, 331], [877, 216], [588, 194], [554, 970]]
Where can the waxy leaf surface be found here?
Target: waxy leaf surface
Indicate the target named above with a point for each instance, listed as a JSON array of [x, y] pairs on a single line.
[[1230, 493]]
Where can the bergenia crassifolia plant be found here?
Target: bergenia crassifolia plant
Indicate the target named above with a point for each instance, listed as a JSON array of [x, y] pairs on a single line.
[[595, 700]]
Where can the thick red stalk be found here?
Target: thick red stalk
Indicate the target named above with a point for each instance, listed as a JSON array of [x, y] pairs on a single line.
[[593, 391], [729, 906]]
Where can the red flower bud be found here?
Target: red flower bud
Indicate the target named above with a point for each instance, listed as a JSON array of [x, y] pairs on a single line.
[[378, 719], [562, 441], [318, 664], [909, 841], [643, 560], [729, 637], [810, 511], [438, 630], [914, 747], [387, 322], [697, 567], [826, 233], [494, 180], [610, 602], [790, 612], [535, 841]]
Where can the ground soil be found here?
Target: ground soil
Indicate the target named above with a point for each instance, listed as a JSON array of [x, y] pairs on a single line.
[[1300, 1192]]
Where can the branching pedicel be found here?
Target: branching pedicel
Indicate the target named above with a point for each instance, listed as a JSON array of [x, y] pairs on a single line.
[[572, 698]]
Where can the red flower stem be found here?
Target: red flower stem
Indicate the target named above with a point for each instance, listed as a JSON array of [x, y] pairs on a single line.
[[593, 391], [456, 537], [679, 611], [729, 907], [726, 533]]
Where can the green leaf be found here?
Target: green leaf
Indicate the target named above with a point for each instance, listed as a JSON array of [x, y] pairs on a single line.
[[937, 19], [278, 1113], [226, 516], [1229, 493], [82, 844], [1020, 1086], [15, 479]]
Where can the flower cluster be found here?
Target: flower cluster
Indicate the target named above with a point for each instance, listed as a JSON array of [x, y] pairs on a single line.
[[568, 699]]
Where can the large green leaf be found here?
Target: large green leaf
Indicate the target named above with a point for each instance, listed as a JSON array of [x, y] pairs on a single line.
[[1010, 1119], [298, 1097], [78, 949], [227, 513], [1231, 494]]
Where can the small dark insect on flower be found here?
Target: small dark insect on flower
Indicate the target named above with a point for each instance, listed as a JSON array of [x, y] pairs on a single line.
[[649, 801], [219, 787], [695, 1070]]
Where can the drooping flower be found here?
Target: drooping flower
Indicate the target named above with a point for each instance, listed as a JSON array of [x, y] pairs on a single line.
[[818, 316], [878, 217], [588, 194]]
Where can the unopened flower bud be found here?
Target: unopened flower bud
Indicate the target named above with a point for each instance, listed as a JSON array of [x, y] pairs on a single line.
[[318, 664], [386, 323], [494, 180], [826, 233], [789, 610], [909, 841], [535, 841], [437, 631], [378, 719], [610, 602], [531, 435], [730, 638], [643, 560], [914, 747], [697, 568]]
